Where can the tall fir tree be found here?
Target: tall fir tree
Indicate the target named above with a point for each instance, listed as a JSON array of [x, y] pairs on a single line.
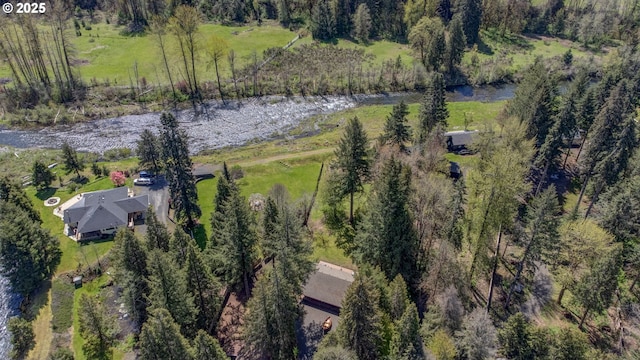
[[406, 342], [28, 253], [182, 186], [396, 130], [386, 237], [353, 163], [235, 250], [72, 162], [433, 110], [160, 338], [169, 290], [456, 43], [323, 23], [470, 12], [360, 327], [157, 235], [206, 347], [41, 175], [148, 151], [132, 274]]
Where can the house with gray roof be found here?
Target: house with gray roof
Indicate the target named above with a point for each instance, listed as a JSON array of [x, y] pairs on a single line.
[[100, 213], [460, 139]]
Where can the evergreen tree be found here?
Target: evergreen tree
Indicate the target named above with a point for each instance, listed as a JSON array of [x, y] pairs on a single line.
[[28, 253], [515, 338], [342, 11], [182, 186], [612, 141], [570, 344], [225, 188], [323, 24], [362, 23], [352, 162], [97, 327], [470, 12], [596, 288], [22, 337], [132, 274], [235, 249], [41, 175], [414, 10], [148, 151], [72, 162], [406, 342], [386, 237], [169, 290], [398, 297], [533, 103], [540, 235], [161, 339], [620, 213], [179, 245], [396, 129], [203, 286], [433, 110], [360, 326], [207, 347], [12, 192], [456, 43], [156, 236]]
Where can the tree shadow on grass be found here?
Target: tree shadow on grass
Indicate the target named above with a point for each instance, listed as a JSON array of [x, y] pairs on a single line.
[[46, 193], [31, 306]]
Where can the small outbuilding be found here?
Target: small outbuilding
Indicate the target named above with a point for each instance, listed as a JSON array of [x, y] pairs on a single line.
[[459, 140]]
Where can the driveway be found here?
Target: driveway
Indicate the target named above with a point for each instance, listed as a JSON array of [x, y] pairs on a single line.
[[158, 197]]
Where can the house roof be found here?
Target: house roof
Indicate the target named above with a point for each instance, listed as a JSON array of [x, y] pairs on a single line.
[[328, 284], [104, 209], [461, 137]]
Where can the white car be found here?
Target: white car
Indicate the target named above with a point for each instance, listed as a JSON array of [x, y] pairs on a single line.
[[143, 181]]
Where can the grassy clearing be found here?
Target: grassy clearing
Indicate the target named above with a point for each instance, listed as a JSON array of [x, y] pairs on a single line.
[[207, 190], [522, 50], [42, 326], [61, 305], [107, 54], [382, 51]]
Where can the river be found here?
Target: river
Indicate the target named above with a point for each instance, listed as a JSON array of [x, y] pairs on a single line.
[[218, 125]]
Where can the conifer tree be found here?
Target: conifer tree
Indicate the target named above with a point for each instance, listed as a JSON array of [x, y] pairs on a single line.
[[433, 110], [169, 290], [235, 249], [533, 103], [362, 23], [406, 342], [353, 163], [178, 246], [323, 24], [207, 347], [540, 234], [226, 187], [28, 253], [161, 338], [41, 175], [398, 297], [182, 186], [148, 151], [456, 43], [132, 274], [386, 237], [202, 285], [396, 129], [156, 236], [97, 327], [22, 337], [470, 12], [620, 213], [13, 193], [477, 338], [360, 326], [428, 41], [72, 162], [515, 338]]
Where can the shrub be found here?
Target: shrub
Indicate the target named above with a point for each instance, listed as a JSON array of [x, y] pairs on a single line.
[[118, 178], [95, 169], [22, 337]]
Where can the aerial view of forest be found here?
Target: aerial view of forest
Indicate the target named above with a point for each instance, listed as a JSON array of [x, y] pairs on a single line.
[[319, 179]]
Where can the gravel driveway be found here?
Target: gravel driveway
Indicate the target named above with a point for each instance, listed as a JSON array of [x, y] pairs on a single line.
[[158, 197]]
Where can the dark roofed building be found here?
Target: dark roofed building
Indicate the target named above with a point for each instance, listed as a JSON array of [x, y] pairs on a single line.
[[322, 298], [103, 212], [461, 139]]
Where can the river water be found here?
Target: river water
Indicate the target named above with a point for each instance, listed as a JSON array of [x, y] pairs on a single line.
[[218, 125]]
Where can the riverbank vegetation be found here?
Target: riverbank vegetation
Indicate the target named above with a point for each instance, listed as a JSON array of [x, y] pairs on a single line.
[[83, 68]]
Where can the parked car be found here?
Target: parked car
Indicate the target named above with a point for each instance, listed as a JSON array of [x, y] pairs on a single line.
[[143, 181], [146, 175]]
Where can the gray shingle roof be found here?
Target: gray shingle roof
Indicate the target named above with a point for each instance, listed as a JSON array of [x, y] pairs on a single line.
[[328, 284], [104, 209]]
